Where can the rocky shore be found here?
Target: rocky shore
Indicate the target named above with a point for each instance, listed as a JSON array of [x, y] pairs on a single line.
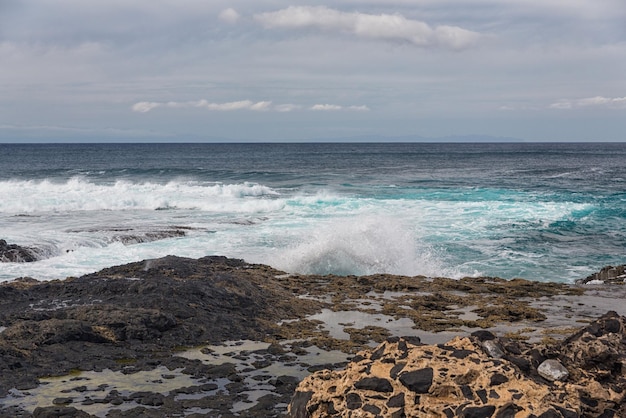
[[221, 337]]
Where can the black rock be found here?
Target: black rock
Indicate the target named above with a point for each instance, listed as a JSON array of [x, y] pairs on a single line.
[[418, 381], [12, 253], [376, 384], [479, 411]]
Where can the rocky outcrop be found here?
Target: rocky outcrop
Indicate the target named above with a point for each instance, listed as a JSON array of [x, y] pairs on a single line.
[[584, 375], [13, 253], [137, 317], [607, 275], [140, 310]]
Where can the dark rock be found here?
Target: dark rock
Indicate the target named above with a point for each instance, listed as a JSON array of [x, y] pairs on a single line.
[[482, 394], [353, 401], [483, 335], [139, 311], [461, 354], [376, 384], [147, 398], [393, 373], [372, 409], [59, 412], [418, 381], [566, 412], [275, 349], [13, 253], [523, 364], [608, 274], [498, 379], [550, 413], [412, 339], [607, 413], [396, 401], [377, 354], [507, 411], [478, 411], [298, 405], [467, 392]]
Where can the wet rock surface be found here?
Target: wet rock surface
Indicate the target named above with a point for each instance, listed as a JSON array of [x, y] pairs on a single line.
[[608, 274], [13, 253], [165, 337], [461, 379]]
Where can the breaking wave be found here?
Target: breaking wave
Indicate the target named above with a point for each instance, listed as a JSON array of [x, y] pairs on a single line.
[[77, 194]]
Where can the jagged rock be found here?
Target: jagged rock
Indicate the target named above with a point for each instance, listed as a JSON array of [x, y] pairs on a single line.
[[460, 379], [12, 253], [608, 274]]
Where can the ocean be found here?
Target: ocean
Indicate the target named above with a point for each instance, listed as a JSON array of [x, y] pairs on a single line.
[[539, 211]]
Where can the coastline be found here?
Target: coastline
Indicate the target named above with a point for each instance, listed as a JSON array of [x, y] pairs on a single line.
[[170, 316]]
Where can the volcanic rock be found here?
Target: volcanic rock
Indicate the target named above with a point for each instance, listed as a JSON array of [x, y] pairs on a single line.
[[437, 381], [606, 275], [13, 253]]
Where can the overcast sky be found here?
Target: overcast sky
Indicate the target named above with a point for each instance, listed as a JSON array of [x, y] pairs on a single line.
[[189, 70]]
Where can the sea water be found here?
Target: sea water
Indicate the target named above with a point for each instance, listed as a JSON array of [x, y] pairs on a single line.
[[547, 212]]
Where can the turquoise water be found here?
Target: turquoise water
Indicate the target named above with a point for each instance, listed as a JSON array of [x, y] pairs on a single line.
[[548, 212]]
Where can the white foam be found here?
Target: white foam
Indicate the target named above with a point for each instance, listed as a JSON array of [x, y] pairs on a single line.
[[362, 244], [292, 230], [77, 194]]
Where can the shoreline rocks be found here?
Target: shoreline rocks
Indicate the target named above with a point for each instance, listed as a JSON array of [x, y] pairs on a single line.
[[403, 378], [606, 275], [13, 253], [141, 317]]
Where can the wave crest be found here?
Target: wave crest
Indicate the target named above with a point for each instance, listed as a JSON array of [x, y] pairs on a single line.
[[363, 245], [78, 194]]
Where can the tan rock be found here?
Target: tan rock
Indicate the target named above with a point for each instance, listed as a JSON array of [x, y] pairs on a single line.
[[459, 379]]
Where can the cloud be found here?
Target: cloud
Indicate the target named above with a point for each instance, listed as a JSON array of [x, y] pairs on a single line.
[[388, 27], [325, 107], [287, 107], [597, 101], [229, 16], [333, 107], [145, 107]]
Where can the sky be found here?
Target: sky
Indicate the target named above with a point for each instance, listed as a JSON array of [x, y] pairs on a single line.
[[244, 70]]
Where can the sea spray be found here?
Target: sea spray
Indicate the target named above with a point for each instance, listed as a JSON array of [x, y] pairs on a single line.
[[361, 245]]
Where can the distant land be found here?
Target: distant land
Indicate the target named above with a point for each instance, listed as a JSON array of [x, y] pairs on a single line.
[[74, 139]]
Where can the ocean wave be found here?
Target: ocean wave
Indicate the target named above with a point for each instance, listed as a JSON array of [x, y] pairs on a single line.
[[361, 245], [78, 194]]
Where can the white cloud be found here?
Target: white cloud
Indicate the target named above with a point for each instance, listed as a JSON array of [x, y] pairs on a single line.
[[144, 107], [333, 107], [325, 107], [361, 108], [288, 107], [597, 101], [229, 16], [389, 27]]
